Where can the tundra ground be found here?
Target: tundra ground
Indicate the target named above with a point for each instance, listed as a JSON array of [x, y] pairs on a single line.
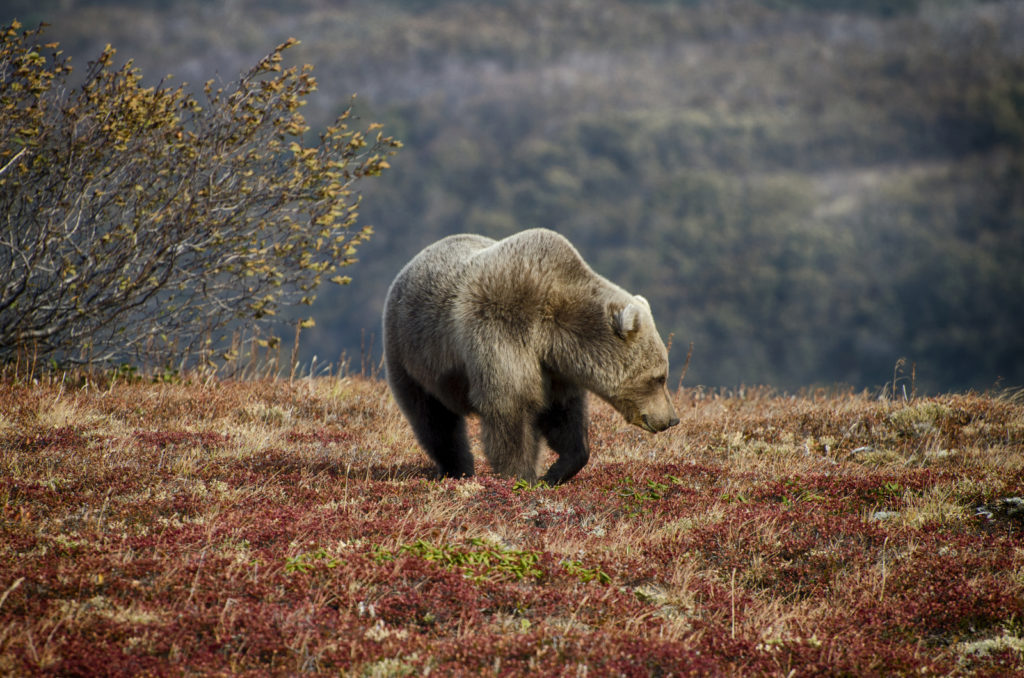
[[294, 527]]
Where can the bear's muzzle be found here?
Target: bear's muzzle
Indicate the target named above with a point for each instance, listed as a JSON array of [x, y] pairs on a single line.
[[655, 425]]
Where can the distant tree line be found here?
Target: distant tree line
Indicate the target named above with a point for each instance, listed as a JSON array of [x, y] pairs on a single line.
[[808, 191]]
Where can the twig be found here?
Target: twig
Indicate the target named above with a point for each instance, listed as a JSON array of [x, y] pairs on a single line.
[[295, 349], [686, 366], [13, 586], [895, 374], [12, 160], [881, 596], [732, 600], [195, 579], [572, 619]]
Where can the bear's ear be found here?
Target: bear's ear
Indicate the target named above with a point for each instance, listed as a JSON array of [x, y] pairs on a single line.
[[626, 321], [642, 301]]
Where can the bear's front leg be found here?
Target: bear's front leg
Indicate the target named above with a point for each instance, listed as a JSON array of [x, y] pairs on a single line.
[[512, 445], [564, 425], [507, 391]]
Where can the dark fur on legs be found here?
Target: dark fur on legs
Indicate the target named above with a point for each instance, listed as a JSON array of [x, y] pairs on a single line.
[[564, 426], [441, 432]]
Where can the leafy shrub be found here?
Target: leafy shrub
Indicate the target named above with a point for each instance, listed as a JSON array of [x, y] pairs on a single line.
[[140, 220]]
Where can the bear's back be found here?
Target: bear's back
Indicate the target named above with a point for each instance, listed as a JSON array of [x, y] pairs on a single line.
[[437, 271], [538, 257]]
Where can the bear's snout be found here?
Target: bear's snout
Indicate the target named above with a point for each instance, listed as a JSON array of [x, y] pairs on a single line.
[[653, 414], [657, 413], [655, 425]]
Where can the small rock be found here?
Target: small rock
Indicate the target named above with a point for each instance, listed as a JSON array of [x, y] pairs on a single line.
[[1007, 508], [1013, 507]]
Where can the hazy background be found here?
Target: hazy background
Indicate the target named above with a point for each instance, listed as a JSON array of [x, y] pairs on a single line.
[[808, 190]]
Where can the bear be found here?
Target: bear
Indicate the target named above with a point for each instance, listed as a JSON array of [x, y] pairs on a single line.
[[515, 332]]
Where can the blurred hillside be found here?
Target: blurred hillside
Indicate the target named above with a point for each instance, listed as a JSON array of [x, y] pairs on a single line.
[[807, 190]]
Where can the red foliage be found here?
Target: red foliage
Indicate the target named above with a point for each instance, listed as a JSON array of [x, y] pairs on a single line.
[[186, 547], [202, 439]]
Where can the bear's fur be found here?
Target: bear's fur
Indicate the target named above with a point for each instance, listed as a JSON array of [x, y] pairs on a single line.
[[516, 331]]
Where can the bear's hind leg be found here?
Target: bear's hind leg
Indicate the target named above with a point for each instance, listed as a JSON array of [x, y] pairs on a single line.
[[440, 432], [564, 425]]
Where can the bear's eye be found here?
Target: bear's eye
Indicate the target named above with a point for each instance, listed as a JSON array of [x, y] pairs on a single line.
[[659, 380]]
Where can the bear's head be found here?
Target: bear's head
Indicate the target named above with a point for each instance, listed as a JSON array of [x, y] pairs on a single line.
[[638, 388]]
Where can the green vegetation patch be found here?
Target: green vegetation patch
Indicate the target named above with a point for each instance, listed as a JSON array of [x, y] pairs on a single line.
[[481, 561], [476, 559]]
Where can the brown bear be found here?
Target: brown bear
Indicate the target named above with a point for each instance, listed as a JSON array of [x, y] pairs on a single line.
[[516, 331]]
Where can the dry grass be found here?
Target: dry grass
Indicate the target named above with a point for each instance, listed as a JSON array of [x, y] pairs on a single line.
[[286, 527]]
